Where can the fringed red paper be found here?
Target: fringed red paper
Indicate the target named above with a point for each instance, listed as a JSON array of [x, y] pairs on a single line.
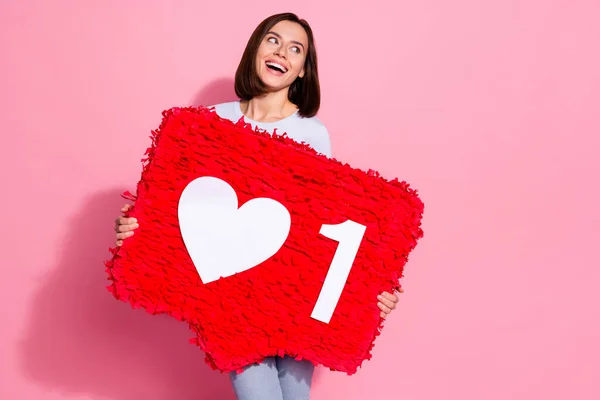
[[266, 310]]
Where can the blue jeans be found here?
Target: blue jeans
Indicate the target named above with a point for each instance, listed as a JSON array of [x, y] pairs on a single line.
[[276, 378]]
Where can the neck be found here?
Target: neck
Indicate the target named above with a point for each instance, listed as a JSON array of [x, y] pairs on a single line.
[[269, 107]]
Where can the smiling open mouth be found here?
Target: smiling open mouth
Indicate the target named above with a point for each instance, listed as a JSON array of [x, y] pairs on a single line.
[[276, 67]]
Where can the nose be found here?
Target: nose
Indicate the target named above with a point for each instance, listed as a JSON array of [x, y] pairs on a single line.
[[280, 52]]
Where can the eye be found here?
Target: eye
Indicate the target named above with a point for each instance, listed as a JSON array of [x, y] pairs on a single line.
[[272, 39], [296, 49]]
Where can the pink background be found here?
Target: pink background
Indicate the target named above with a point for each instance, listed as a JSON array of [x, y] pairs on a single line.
[[490, 108]]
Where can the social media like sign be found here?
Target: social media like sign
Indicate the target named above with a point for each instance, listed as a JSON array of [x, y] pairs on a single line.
[[262, 245]]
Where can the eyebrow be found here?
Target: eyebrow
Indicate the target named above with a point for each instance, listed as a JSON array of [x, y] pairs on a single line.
[[279, 36]]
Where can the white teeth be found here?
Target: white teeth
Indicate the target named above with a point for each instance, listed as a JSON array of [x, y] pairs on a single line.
[[279, 66]]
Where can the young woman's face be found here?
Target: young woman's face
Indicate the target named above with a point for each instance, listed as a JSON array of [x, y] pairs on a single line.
[[281, 55]]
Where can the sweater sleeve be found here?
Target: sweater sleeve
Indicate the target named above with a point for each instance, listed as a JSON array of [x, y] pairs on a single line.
[[319, 139]]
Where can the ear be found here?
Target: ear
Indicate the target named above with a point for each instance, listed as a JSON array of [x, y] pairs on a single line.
[[301, 74]]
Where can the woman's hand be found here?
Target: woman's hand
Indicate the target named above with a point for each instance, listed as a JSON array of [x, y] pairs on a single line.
[[387, 302], [125, 226]]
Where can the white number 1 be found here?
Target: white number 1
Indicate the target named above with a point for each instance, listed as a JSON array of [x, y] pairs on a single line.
[[349, 234]]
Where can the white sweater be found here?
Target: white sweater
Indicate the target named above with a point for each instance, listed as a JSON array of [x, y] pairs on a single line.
[[311, 131]]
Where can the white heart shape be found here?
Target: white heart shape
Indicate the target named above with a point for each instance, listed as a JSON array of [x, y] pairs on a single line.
[[223, 239]]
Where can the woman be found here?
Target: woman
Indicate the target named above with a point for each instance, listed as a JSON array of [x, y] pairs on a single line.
[[278, 84]]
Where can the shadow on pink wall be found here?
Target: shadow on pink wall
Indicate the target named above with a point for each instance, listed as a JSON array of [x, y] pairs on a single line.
[[218, 91], [81, 340]]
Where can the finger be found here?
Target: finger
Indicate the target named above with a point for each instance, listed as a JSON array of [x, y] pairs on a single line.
[[127, 228], [119, 243], [390, 297], [400, 290], [127, 221], [124, 235], [123, 228], [387, 302], [384, 308], [383, 315]]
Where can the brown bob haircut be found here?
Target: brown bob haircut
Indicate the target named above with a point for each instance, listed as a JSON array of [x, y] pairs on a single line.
[[304, 92]]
